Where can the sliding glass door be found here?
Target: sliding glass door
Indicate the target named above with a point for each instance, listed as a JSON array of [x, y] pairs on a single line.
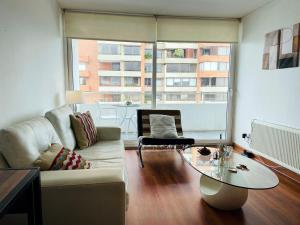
[[192, 77]]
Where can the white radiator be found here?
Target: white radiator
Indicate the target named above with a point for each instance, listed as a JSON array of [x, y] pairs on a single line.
[[278, 142]]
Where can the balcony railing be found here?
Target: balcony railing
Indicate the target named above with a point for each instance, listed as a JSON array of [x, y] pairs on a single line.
[[199, 120]]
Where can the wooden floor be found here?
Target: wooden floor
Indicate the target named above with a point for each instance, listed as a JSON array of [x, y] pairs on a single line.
[[166, 192]]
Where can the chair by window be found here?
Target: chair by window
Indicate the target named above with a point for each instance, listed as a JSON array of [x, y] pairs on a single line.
[[144, 132]]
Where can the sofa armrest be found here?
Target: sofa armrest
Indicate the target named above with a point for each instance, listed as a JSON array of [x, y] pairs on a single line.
[[95, 196], [108, 133]]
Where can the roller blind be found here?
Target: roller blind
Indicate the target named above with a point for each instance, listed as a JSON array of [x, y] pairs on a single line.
[[144, 29], [110, 27], [197, 30]]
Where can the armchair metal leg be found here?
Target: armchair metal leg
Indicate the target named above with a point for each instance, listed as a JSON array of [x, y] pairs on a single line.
[[140, 154]]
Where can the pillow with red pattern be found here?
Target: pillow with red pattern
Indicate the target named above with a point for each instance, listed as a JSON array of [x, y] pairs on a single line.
[[84, 129], [56, 157]]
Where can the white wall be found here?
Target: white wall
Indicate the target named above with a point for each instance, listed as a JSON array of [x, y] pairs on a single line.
[[31, 59], [269, 95]]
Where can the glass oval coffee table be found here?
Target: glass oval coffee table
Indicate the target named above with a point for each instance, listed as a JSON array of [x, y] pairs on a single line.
[[224, 189]]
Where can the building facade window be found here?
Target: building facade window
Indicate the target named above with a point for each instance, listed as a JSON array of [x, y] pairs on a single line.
[[214, 81], [181, 68], [214, 96], [111, 97], [223, 66], [132, 81], [159, 54], [148, 68], [110, 81], [132, 66], [181, 82], [82, 80], [133, 97], [180, 96], [206, 51], [214, 66], [182, 53], [110, 66], [109, 49], [224, 51], [132, 50], [148, 82], [82, 67]]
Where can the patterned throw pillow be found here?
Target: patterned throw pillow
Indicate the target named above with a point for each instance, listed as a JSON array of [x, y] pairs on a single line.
[[162, 126], [84, 129], [56, 157], [69, 160]]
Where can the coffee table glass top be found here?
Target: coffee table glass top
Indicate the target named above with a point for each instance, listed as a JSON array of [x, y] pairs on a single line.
[[256, 177]]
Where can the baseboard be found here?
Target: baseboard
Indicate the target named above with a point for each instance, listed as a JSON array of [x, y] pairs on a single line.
[[278, 168]]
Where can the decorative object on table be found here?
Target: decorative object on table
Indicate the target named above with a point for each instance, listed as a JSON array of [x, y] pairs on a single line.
[[289, 47], [143, 122], [242, 167], [128, 103], [221, 152], [282, 48], [205, 153], [232, 170]]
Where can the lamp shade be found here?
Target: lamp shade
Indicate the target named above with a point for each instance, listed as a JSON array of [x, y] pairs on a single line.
[[75, 97]]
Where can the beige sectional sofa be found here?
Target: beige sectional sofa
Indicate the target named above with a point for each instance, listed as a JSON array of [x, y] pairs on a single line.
[[92, 196]]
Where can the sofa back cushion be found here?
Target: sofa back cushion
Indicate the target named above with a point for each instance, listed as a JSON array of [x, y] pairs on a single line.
[[21, 144], [60, 119]]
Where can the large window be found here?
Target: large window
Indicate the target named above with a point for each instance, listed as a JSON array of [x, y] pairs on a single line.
[[191, 77]]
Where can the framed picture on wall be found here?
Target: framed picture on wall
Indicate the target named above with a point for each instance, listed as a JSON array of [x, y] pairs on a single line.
[[271, 50], [289, 47], [282, 48]]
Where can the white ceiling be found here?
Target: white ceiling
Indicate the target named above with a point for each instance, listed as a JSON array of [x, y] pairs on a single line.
[[201, 8]]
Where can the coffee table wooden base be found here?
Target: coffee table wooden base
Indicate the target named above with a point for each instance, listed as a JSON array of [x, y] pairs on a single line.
[[222, 196]]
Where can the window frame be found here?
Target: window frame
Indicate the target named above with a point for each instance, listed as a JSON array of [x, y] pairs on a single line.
[[231, 74]]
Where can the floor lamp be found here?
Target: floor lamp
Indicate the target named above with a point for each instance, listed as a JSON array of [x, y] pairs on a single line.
[[75, 97]]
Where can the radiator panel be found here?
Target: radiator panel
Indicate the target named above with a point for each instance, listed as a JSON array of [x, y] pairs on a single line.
[[279, 142]]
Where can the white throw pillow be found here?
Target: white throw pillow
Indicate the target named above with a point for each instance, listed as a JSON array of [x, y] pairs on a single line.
[[162, 126]]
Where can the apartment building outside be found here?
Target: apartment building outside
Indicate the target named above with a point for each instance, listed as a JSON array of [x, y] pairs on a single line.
[[187, 73]]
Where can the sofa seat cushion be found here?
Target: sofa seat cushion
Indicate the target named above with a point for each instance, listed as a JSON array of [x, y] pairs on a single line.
[[103, 150]]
